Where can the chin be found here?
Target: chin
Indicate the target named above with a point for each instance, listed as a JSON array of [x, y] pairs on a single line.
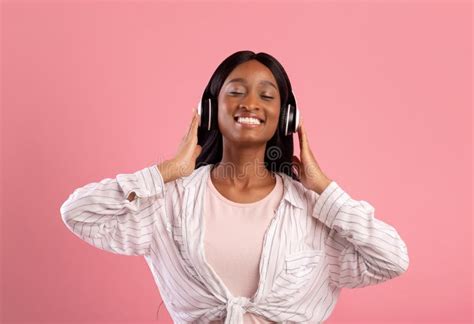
[[247, 140], [243, 134]]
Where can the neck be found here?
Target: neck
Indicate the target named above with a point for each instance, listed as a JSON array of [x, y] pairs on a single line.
[[243, 166]]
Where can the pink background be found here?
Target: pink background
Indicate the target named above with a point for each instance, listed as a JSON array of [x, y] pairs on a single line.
[[90, 90]]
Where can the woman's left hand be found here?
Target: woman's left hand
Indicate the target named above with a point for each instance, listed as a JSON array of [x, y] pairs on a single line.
[[308, 170]]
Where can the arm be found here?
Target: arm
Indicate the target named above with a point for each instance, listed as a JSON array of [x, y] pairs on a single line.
[[118, 215], [362, 249]]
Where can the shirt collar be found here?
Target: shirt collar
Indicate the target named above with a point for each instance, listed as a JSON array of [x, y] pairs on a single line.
[[290, 192]]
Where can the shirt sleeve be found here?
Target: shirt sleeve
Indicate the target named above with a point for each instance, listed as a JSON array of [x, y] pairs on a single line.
[[100, 213], [362, 249]]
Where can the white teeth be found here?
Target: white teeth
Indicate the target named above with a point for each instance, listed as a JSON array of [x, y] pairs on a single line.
[[248, 120]]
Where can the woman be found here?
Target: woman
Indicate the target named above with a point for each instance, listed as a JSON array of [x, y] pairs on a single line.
[[235, 228]]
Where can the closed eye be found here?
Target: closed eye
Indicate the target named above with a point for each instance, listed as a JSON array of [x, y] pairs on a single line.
[[233, 92]]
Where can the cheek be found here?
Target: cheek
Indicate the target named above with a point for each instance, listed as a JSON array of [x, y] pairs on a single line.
[[276, 116], [224, 114], [276, 121], [272, 124], [224, 106], [225, 119]]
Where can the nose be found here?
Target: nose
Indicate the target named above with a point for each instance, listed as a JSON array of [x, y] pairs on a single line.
[[250, 102]]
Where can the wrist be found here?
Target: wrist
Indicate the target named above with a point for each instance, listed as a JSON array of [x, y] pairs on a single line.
[[169, 170], [321, 184]]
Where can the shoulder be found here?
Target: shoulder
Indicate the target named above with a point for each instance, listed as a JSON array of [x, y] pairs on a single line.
[[296, 192], [196, 178], [294, 185]]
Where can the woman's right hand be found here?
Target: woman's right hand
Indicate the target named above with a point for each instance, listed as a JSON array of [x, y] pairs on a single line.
[[184, 162], [189, 149]]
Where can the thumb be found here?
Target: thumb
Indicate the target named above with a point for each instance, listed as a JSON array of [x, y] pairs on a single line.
[[296, 163], [197, 151], [296, 160]]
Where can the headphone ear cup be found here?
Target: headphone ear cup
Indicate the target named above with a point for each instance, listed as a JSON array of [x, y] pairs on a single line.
[[293, 115], [297, 119], [207, 109], [199, 110], [292, 120], [283, 119], [203, 112]]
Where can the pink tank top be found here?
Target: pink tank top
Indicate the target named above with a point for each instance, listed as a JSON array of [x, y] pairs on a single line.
[[233, 239]]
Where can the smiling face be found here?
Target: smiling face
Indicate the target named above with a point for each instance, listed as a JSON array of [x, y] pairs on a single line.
[[250, 89]]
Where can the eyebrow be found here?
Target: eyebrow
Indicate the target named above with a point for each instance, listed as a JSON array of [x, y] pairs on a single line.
[[245, 81]]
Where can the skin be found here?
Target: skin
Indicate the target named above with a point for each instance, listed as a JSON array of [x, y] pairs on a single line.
[[241, 175]]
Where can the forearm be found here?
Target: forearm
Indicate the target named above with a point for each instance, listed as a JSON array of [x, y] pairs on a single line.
[[169, 170], [322, 182]]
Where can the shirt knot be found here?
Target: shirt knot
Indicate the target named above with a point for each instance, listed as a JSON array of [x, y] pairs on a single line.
[[236, 307]]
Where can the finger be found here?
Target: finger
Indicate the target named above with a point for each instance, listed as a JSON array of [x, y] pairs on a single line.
[[300, 135], [193, 122], [196, 117], [197, 151], [304, 136]]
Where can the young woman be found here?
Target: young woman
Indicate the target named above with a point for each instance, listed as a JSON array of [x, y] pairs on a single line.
[[234, 227]]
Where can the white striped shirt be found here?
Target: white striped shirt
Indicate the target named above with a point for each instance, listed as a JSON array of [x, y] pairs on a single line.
[[314, 246]]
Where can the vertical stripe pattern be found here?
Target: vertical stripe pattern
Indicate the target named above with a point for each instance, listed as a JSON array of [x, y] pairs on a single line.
[[314, 246]]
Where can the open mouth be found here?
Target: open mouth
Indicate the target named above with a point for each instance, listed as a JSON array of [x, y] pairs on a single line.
[[249, 121]]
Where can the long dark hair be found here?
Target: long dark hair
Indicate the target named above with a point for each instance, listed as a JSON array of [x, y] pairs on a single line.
[[279, 149]]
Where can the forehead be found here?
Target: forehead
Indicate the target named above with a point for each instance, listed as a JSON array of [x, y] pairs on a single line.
[[251, 72]]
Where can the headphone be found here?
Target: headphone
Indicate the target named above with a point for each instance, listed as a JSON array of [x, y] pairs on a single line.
[[287, 125]]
